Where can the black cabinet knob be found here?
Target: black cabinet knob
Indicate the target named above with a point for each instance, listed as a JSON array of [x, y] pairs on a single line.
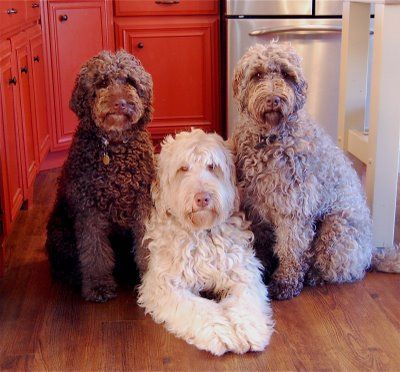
[[12, 11], [24, 70], [36, 59], [63, 18], [35, 5], [13, 81], [140, 45]]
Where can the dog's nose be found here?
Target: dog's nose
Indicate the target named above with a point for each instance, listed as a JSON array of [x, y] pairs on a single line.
[[120, 105], [273, 101], [202, 199]]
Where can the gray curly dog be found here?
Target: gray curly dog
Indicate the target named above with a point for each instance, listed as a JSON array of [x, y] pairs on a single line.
[[298, 188]]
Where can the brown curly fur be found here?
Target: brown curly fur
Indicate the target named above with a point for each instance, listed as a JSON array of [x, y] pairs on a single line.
[[100, 210], [299, 189]]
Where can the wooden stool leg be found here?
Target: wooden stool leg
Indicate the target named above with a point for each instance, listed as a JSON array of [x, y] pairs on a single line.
[[384, 131], [353, 69]]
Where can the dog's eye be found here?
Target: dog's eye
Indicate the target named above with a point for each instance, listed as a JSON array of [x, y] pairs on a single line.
[[131, 82], [211, 167], [184, 168], [257, 76], [102, 84], [285, 75]]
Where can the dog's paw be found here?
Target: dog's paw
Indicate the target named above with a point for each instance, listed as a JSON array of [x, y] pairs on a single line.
[[284, 290], [219, 338], [100, 292], [313, 278], [253, 330]]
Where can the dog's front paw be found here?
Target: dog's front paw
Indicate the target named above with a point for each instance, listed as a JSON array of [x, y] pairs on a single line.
[[100, 292], [313, 278], [219, 338], [284, 289], [254, 331]]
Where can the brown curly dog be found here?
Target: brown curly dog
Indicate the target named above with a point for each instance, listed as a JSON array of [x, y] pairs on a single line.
[[305, 200], [103, 196]]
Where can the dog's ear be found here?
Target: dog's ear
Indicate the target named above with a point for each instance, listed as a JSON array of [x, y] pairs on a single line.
[[237, 79], [230, 145], [300, 86], [155, 186], [145, 91], [78, 102], [143, 82], [300, 90], [156, 193]]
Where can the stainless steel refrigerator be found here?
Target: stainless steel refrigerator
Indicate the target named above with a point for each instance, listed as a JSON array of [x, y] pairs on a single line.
[[312, 27]]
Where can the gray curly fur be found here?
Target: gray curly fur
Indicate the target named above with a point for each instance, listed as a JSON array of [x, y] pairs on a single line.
[[100, 210], [299, 189]]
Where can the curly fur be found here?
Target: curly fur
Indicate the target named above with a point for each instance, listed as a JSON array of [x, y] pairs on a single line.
[[98, 217], [190, 256], [299, 189]]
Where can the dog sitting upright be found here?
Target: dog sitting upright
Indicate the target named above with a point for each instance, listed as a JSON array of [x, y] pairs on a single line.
[[299, 189], [104, 189], [198, 242]]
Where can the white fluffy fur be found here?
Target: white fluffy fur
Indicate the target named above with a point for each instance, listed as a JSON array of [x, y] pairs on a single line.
[[213, 253]]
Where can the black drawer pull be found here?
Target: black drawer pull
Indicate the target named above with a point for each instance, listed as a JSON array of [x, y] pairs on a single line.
[[167, 2], [24, 70], [36, 59], [140, 45], [35, 5], [13, 81], [63, 18], [12, 11]]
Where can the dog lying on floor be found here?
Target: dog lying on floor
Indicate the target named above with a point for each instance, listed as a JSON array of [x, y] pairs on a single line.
[[103, 194], [199, 242], [300, 191]]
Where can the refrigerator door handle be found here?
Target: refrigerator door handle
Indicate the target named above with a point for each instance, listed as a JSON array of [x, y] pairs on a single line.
[[306, 28]]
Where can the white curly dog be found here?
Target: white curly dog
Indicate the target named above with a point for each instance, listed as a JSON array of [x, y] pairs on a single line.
[[199, 242]]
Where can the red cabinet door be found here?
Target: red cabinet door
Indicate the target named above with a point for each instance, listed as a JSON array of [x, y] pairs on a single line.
[[78, 30], [181, 53], [11, 170], [39, 102], [28, 120]]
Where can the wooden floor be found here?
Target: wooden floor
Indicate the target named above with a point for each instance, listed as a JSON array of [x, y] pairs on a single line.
[[46, 326]]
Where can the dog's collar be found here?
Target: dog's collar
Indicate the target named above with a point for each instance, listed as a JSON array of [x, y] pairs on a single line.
[[104, 148], [266, 140]]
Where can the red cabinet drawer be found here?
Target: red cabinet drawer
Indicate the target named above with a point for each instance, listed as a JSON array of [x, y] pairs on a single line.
[[32, 9], [12, 13], [165, 7]]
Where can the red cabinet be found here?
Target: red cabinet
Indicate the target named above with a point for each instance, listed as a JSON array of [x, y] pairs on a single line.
[[24, 134], [27, 123], [182, 55], [10, 144], [36, 66], [178, 43], [77, 31]]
